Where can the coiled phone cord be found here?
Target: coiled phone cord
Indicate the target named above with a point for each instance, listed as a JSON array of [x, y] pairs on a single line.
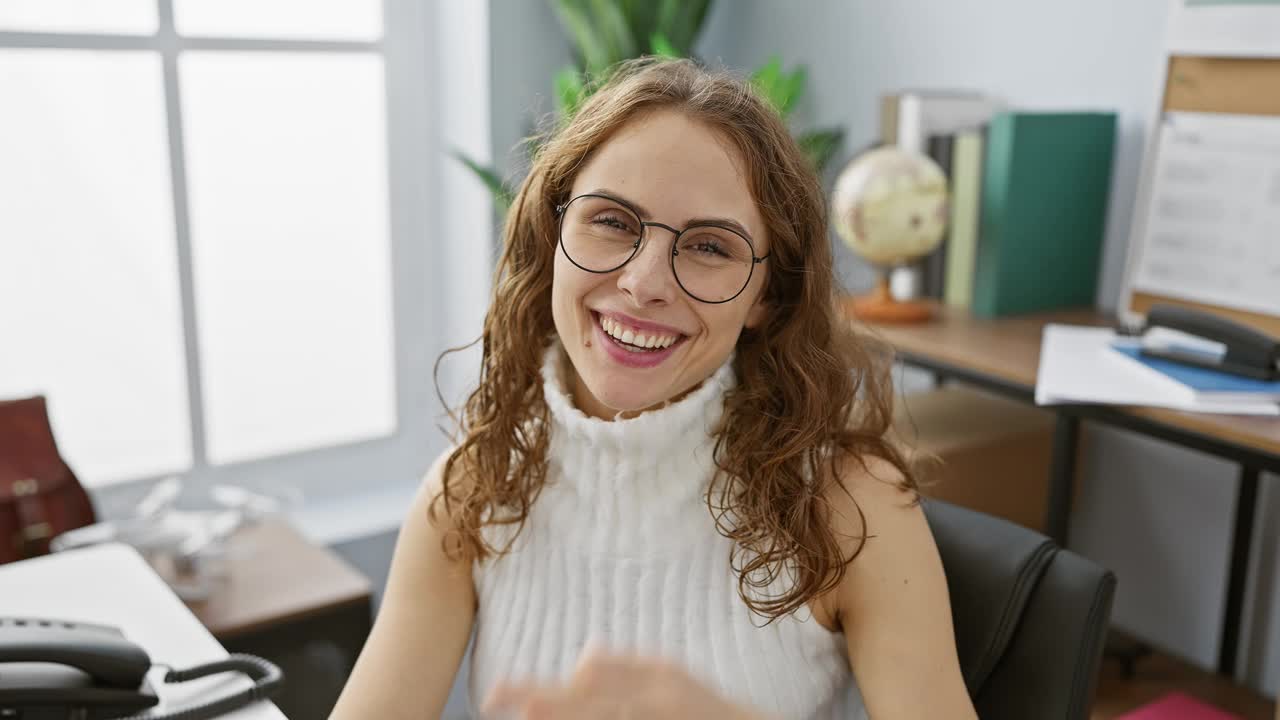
[[267, 680]]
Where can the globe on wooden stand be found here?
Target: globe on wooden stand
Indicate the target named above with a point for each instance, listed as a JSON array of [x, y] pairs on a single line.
[[890, 207]]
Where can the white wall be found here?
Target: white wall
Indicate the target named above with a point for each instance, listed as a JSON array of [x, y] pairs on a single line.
[[1159, 516]]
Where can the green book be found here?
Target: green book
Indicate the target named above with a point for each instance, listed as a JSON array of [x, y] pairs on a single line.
[[1045, 183], [966, 193]]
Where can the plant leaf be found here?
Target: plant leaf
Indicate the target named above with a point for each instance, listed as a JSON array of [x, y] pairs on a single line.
[[660, 45], [681, 22], [792, 88], [502, 194], [821, 145], [613, 26], [668, 22], [576, 21], [570, 91], [642, 20], [767, 80]]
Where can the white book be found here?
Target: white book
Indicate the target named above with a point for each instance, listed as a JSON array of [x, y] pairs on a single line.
[[921, 114]]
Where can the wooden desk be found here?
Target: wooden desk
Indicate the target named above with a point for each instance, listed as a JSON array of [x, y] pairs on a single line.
[[1003, 355], [275, 576], [113, 585], [297, 604]]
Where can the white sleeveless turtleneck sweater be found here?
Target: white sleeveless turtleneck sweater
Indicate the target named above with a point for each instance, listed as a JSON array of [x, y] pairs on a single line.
[[621, 552]]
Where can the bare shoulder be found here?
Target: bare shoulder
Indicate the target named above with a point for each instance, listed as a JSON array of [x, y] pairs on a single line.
[[892, 603], [420, 550], [871, 502], [433, 481], [433, 486], [874, 481], [874, 516], [428, 606]]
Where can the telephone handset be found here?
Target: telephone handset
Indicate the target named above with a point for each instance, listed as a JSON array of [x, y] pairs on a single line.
[[82, 671]]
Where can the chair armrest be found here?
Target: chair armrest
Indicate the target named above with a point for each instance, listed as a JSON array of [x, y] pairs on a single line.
[[1050, 669], [992, 566]]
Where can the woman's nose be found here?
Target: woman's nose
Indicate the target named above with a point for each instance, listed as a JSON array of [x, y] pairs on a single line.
[[647, 277]]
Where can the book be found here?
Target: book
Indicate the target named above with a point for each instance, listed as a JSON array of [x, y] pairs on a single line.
[[933, 265], [1177, 706], [1045, 185], [962, 236], [889, 118], [921, 113], [908, 119], [1201, 384], [1077, 365]]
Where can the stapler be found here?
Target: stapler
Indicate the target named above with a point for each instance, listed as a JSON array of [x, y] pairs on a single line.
[[1196, 337]]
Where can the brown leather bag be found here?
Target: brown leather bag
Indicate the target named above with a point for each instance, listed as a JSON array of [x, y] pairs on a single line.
[[39, 495]]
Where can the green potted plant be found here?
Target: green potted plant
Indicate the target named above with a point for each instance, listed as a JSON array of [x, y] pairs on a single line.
[[606, 32]]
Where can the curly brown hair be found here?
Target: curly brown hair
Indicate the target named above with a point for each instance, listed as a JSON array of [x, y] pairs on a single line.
[[812, 393]]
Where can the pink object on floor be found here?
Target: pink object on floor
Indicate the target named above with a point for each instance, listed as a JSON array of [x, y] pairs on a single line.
[[1178, 706]]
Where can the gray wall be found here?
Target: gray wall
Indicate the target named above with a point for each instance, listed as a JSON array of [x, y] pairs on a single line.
[[526, 48], [1158, 515]]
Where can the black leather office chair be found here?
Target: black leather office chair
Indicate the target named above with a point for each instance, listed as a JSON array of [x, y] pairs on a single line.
[[1030, 618]]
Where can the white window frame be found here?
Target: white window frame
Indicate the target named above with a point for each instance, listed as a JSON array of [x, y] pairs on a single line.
[[436, 56]]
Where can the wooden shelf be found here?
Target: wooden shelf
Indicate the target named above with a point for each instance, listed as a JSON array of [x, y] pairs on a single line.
[[1159, 674]]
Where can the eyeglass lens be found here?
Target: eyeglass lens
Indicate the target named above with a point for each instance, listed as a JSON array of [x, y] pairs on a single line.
[[712, 264]]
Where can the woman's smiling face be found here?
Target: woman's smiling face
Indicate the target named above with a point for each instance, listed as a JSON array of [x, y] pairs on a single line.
[[676, 171]]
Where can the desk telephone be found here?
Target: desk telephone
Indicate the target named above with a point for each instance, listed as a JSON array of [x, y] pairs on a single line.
[[57, 670]]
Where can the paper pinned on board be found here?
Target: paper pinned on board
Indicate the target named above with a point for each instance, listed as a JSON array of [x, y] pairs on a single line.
[[1214, 214], [1077, 365]]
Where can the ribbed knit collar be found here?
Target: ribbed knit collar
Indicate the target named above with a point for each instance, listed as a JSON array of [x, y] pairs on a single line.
[[687, 422]]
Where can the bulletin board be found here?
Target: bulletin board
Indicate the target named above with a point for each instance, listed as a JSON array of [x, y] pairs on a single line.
[[1222, 58]]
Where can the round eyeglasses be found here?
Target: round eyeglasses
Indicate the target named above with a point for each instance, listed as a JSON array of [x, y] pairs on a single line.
[[711, 263]]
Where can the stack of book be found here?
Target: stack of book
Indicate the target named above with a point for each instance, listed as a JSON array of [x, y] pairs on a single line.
[[1195, 385], [1095, 365], [1028, 198]]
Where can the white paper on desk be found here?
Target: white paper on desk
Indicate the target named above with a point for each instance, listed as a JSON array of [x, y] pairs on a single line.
[[1213, 218], [1078, 366]]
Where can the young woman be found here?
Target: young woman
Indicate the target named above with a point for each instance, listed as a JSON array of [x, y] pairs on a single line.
[[672, 496]]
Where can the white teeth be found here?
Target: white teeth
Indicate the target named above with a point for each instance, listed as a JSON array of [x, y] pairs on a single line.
[[631, 337]]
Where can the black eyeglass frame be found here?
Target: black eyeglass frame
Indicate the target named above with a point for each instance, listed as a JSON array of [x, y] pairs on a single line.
[[675, 244]]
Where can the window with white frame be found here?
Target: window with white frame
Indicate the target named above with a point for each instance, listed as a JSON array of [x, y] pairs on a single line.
[[196, 230]]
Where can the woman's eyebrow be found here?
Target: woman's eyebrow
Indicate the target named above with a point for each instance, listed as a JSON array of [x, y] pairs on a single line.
[[618, 196], [726, 222]]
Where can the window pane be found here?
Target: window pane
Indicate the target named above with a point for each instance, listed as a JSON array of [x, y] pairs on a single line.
[[287, 178], [293, 19], [90, 313], [131, 17]]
